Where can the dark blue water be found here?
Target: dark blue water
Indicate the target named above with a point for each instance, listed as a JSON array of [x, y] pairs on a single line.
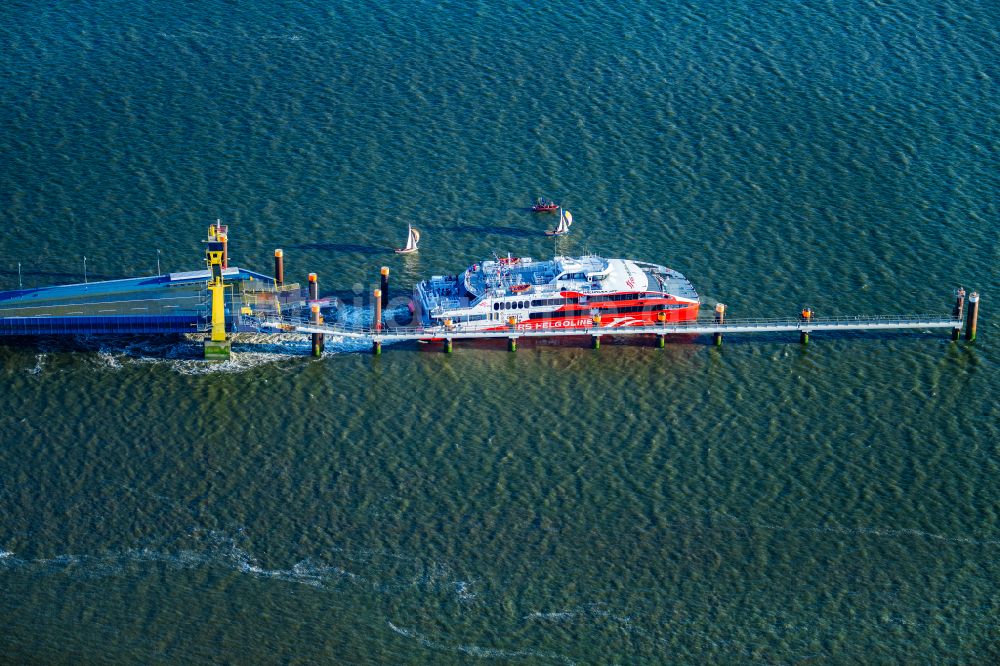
[[764, 501]]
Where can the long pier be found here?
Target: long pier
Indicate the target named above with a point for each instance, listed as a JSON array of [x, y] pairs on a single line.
[[699, 327], [221, 300]]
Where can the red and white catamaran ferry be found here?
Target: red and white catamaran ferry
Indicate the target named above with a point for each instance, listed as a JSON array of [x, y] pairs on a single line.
[[566, 292]]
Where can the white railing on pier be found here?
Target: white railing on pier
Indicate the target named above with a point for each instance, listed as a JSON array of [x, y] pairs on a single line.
[[391, 333]]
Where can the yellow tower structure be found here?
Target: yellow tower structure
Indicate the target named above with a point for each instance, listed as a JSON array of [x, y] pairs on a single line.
[[217, 345]]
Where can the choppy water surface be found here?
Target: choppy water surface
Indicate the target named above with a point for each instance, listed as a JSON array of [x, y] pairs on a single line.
[[759, 502]]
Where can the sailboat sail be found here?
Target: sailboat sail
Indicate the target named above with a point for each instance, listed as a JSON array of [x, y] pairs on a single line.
[[565, 219], [412, 238]]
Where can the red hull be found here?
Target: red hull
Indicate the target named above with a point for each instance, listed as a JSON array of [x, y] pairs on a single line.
[[609, 320]]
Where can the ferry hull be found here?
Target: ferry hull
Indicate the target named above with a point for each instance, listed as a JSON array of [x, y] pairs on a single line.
[[584, 323]]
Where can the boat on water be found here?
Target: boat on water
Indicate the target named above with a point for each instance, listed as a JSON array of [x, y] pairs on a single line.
[[412, 239], [544, 206], [565, 220], [564, 292]]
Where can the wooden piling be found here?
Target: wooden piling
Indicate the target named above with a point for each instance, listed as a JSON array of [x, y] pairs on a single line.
[[313, 287], [279, 268], [807, 315], [720, 318], [377, 319], [957, 313], [971, 317], [385, 287], [317, 338]]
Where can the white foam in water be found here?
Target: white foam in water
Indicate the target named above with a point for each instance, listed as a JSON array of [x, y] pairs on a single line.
[[221, 549], [39, 364], [475, 650], [560, 616], [249, 350], [463, 589]]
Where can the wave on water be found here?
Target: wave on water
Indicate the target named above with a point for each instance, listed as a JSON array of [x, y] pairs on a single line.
[[222, 549], [863, 531], [382, 572], [476, 650], [39, 364]]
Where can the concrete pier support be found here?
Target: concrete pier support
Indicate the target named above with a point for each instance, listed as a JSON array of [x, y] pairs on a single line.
[[971, 317], [217, 350]]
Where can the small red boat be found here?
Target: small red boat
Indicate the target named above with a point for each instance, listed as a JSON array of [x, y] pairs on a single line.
[[544, 206]]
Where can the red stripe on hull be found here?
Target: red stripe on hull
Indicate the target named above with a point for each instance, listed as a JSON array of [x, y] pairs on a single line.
[[608, 321]]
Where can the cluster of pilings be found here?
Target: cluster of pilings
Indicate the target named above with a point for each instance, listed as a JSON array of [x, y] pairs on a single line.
[[318, 340], [380, 297], [971, 316]]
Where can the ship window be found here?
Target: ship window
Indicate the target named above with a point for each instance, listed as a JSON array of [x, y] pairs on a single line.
[[496, 306]]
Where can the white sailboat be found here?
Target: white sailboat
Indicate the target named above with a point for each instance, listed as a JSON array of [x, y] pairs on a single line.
[[565, 220], [412, 238]]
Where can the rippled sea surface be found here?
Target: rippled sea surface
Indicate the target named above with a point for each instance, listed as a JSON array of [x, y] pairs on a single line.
[[763, 501]]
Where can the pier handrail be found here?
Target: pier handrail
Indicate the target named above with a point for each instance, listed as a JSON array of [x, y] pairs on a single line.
[[390, 331]]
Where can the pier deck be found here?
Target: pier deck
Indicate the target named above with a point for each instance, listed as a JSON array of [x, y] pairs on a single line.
[[169, 303], [700, 327]]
